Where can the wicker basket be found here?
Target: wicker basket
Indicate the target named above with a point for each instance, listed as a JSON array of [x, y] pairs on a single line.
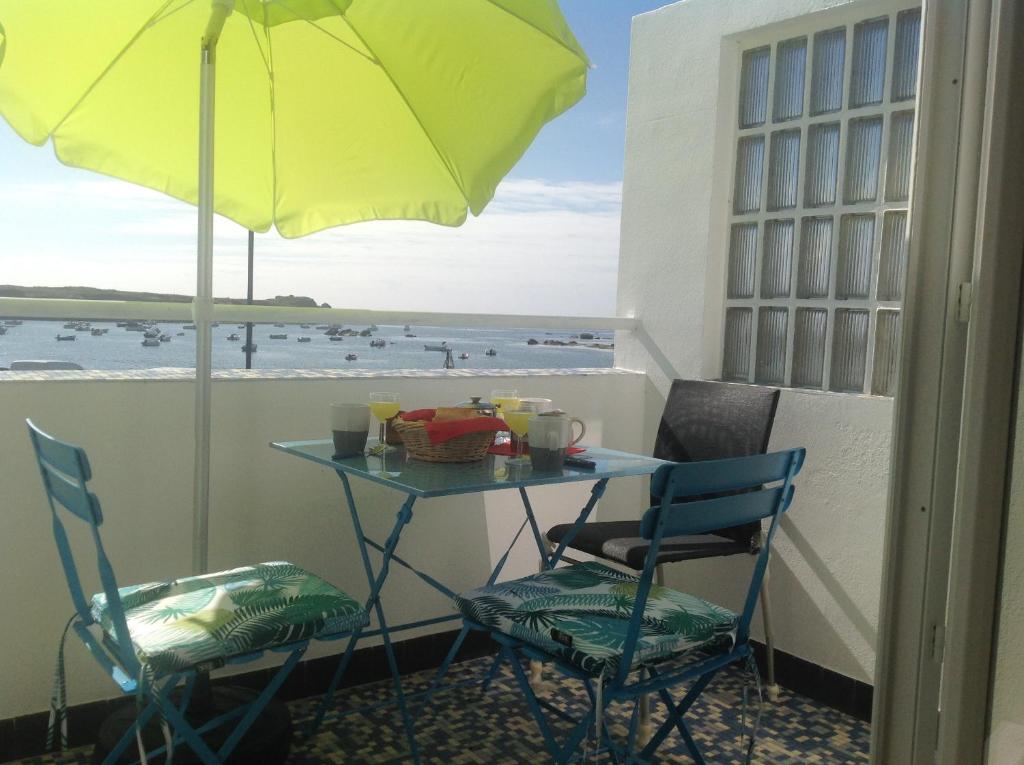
[[467, 448]]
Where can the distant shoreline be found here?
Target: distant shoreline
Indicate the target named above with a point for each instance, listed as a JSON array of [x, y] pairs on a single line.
[[98, 293]]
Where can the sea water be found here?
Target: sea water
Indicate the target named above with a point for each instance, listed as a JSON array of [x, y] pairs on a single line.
[[122, 349]]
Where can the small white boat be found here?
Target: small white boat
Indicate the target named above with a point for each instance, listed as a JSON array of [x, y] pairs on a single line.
[[336, 338], [305, 339], [150, 334], [350, 357], [463, 356], [151, 342], [233, 337], [165, 338], [98, 332]]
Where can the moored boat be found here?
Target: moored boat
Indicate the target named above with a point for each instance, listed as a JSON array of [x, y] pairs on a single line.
[[463, 356], [491, 352], [150, 342], [435, 347], [66, 337], [305, 339], [247, 347], [350, 357], [233, 337], [279, 337]]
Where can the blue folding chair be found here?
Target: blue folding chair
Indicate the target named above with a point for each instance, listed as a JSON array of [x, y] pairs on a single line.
[[153, 638], [601, 625]]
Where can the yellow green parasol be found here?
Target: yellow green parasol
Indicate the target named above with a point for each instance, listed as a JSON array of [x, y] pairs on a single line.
[[327, 111]]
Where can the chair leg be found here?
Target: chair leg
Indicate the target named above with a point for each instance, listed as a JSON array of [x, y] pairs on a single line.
[[646, 729], [537, 667], [771, 687]]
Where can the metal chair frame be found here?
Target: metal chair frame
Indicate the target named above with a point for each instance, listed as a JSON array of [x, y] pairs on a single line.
[[756, 474], [66, 472]]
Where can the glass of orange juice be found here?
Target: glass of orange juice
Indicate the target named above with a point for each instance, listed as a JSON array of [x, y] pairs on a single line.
[[384, 406], [505, 399], [519, 421]]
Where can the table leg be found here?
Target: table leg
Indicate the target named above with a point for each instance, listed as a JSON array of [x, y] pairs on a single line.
[[549, 560], [376, 582], [595, 494]]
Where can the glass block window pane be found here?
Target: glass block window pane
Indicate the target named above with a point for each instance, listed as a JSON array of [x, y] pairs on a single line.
[[754, 87], [777, 258], [886, 363], [790, 64], [772, 330], [742, 260], [856, 247], [867, 78], [809, 347], [863, 153], [736, 358], [901, 142], [815, 258], [783, 169], [904, 65], [849, 350], [749, 165], [822, 164], [817, 240], [827, 66], [892, 265]]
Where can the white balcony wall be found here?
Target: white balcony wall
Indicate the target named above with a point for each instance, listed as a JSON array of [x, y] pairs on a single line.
[[673, 276], [265, 505]]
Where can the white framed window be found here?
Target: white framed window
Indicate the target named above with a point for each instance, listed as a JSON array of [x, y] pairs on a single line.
[[817, 227]]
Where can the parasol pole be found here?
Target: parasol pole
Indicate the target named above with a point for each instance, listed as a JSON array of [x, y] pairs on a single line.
[[202, 306]]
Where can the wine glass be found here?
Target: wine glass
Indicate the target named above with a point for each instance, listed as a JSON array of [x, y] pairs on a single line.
[[384, 406], [505, 400], [519, 420]]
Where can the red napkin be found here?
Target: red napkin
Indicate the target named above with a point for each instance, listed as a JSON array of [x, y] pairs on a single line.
[[507, 450], [439, 432], [419, 414]]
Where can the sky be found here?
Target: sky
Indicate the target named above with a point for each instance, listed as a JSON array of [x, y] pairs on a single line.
[[547, 243]]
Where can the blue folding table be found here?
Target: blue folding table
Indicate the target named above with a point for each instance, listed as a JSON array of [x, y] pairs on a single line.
[[416, 480]]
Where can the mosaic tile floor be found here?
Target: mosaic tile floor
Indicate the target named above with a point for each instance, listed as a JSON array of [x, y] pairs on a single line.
[[464, 726]]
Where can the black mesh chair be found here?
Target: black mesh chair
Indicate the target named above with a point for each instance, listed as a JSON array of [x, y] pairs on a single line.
[[702, 421]]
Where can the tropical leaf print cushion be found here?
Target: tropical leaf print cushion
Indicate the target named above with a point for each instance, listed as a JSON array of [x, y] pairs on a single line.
[[203, 620], [581, 614]]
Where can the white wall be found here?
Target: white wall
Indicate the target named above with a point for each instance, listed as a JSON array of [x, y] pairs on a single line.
[[827, 569], [266, 505]]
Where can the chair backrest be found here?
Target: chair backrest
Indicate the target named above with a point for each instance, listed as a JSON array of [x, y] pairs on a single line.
[[744, 490], [705, 420], [65, 471]]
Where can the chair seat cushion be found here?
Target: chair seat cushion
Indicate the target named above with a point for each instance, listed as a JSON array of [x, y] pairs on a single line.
[[202, 621], [621, 542], [581, 614]]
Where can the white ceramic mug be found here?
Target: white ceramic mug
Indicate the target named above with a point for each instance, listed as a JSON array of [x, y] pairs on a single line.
[[553, 430], [550, 437]]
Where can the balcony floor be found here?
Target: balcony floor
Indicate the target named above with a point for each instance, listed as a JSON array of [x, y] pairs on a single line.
[[464, 726]]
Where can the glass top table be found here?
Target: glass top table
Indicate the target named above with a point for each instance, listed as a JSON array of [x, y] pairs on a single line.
[[418, 480], [437, 479]]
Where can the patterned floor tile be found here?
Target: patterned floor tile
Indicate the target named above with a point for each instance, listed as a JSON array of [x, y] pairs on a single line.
[[465, 726]]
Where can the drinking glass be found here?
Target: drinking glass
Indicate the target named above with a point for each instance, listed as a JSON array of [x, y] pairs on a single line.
[[519, 421], [505, 399], [384, 406]]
